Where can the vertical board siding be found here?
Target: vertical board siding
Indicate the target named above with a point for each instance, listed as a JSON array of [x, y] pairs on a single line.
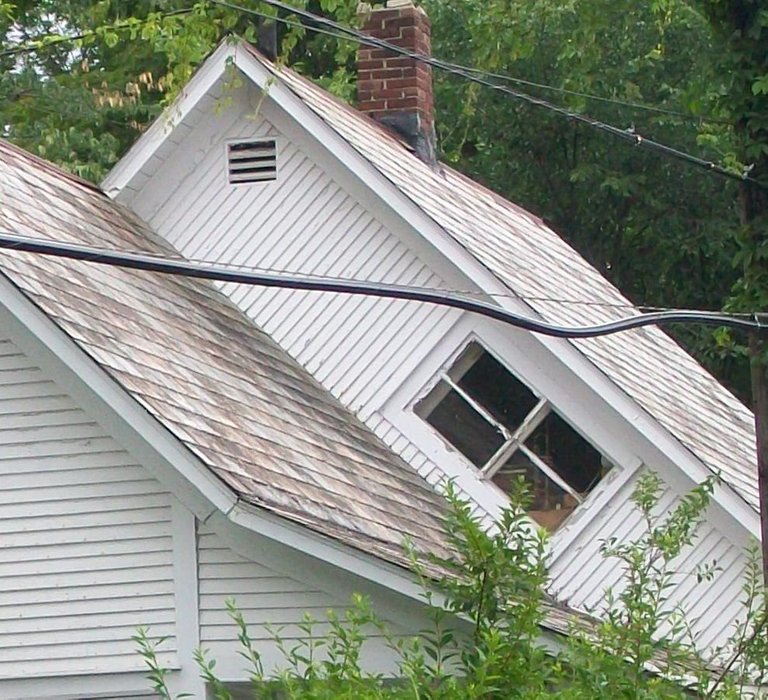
[[86, 551], [581, 576]]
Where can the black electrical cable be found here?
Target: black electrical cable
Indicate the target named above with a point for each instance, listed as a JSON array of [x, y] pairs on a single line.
[[139, 261], [470, 74], [627, 135]]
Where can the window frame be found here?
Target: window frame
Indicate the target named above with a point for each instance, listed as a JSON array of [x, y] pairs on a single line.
[[459, 363]]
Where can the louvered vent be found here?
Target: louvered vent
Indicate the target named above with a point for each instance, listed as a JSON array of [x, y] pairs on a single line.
[[252, 161]]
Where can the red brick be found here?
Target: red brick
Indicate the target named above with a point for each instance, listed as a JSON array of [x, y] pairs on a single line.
[[390, 82], [387, 73], [401, 103], [408, 82], [399, 62], [373, 105], [367, 64], [371, 85]]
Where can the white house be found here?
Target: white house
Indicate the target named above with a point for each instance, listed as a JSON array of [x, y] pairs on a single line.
[[326, 190], [164, 447]]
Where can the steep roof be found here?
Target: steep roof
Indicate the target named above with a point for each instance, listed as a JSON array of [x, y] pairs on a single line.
[[237, 401], [558, 285]]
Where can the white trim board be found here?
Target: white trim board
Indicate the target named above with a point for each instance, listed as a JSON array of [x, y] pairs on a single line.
[[168, 460]]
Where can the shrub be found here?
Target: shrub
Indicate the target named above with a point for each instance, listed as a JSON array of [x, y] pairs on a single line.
[[641, 648]]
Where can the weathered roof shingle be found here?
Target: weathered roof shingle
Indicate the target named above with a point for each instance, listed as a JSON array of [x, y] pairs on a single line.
[[256, 418], [540, 268]]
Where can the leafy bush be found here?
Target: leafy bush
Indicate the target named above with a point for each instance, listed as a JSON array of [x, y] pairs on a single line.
[[641, 647]]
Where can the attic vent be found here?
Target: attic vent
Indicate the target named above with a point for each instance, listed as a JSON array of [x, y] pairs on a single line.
[[252, 161]]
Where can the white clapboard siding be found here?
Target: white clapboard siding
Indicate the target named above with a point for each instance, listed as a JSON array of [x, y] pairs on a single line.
[[86, 553], [264, 596], [278, 603], [303, 222], [581, 576], [361, 349]]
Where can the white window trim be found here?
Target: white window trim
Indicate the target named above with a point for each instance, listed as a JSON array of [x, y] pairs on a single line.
[[513, 442]]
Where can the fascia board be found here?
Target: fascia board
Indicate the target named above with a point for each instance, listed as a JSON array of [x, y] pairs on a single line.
[[380, 187], [130, 685], [121, 176], [417, 220], [368, 567], [157, 449]]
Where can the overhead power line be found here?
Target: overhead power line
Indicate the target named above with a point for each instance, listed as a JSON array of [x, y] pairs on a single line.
[[627, 135], [184, 268], [565, 301], [628, 104], [474, 75]]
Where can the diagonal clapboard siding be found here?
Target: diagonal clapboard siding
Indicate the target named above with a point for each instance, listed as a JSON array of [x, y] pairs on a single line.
[[304, 222], [580, 575], [86, 551]]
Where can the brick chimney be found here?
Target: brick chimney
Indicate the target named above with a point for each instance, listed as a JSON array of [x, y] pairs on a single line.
[[396, 90]]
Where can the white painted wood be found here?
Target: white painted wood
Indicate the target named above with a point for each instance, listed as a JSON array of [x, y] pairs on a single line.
[[86, 534], [276, 584], [304, 222], [187, 608], [320, 217], [581, 576], [38, 337]]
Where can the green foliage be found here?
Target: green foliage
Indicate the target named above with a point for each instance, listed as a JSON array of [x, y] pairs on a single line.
[[663, 232], [147, 649], [641, 630], [486, 613]]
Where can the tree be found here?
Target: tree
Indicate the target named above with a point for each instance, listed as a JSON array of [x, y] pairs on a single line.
[[664, 233], [742, 27], [660, 230]]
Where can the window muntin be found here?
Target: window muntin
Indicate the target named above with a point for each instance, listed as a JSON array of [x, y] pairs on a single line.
[[480, 408]]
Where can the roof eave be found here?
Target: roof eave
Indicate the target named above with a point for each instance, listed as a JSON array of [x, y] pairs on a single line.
[[236, 53], [117, 184]]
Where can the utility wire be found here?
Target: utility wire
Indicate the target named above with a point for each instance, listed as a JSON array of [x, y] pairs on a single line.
[[137, 261], [627, 135], [245, 267], [637, 106]]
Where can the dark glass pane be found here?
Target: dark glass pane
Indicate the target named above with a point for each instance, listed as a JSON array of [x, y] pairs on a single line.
[[569, 454], [545, 493], [550, 504], [493, 387], [463, 427]]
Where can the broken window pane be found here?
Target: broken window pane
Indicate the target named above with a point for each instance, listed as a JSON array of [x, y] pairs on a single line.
[[550, 504], [566, 452], [479, 404], [459, 423], [506, 398]]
